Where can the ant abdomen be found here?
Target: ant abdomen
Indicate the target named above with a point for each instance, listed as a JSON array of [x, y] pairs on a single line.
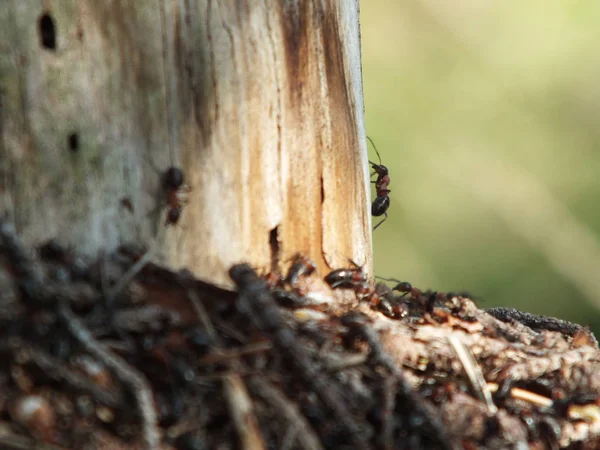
[[380, 206]]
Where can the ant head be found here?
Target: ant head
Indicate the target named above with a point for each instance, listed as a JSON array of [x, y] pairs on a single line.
[[403, 286], [379, 168], [361, 268], [173, 178]]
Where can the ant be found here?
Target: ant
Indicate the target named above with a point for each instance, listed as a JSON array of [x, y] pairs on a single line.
[[174, 187], [379, 297], [428, 298], [404, 287], [301, 267], [381, 203], [354, 278]]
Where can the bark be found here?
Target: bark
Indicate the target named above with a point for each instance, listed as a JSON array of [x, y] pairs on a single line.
[[259, 103]]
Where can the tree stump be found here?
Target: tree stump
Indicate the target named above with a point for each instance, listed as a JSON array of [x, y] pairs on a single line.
[[260, 107]]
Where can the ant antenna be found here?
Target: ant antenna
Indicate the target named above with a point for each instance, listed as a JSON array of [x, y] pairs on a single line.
[[373, 144], [387, 279]]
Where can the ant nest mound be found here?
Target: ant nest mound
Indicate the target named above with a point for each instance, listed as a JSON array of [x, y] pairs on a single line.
[[116, 354]]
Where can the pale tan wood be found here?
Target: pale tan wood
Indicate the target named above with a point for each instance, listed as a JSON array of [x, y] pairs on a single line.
[[260, 103]]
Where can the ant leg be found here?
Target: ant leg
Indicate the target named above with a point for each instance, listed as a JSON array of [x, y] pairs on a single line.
[[382, 220], [354, 264]]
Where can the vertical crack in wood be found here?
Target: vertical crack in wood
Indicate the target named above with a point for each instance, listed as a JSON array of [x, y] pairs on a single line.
[[212, 59], [169, 112], [26, 131], [279, 106]]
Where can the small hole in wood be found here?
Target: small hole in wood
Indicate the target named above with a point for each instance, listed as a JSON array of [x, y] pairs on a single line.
[[274, 244], [47, 32], [73, 142]]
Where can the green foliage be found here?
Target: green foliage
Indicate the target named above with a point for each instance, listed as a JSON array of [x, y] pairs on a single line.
[[449, 83]]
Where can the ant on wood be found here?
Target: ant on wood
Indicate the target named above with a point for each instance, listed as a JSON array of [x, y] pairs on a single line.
[[381, 203], [301, 267], [379, 297], [352, 278], [173, 186], [174, 189]]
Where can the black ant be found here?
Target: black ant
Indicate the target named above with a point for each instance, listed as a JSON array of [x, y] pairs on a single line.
[[173, 185], [381, 203]]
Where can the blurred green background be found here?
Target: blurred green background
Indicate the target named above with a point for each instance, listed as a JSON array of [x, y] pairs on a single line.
[[487, 115]]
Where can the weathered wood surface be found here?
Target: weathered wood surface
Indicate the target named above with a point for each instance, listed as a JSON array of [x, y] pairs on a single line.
[[259, 103]]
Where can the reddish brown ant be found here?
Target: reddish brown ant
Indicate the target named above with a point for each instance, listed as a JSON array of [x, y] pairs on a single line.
[[378, 296], [381, 203], [175, 189], [383, 299], [427, 298], [301, 267], [404, 287], [353, 278]]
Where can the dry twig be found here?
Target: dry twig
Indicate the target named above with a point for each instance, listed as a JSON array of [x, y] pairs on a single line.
[[305, 435], [240, 403], [126, 374], [358, 323], [256, 302], [473, 372]]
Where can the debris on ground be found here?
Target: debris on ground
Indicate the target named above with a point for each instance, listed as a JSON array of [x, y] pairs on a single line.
[[119, 353]]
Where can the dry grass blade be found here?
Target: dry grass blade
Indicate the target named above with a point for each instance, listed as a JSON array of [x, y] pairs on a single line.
[[128, 375], [16, 442], [389, 403], [257, 304], [473, 372], [304, 434], [129, 275], [219, 356], [338, 364], [55, 369], [240, 403], [240, 406], [524, 395], [202, 314]]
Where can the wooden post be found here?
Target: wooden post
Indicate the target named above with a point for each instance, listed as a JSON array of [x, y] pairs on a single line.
[[259, 103]]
